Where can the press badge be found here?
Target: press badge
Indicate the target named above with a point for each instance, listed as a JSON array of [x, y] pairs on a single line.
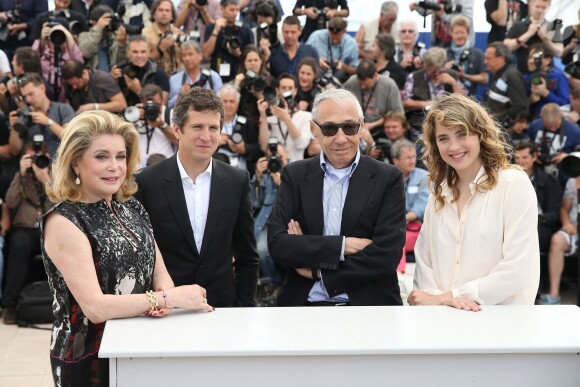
[[225, 69], [501, 85]]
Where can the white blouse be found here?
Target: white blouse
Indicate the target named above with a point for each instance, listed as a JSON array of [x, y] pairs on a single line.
[[489, 255]]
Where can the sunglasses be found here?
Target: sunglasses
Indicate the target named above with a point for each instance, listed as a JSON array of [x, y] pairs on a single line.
[[335, 30], [329, 130], [407, 31]]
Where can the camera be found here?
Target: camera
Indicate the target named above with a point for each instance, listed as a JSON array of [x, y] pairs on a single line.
[[132, 114], [39, 158], [270, 31], [203, 78], [320, 19], [464, 56], [289, 98], [254, 82], [23, 122], [129, 69], [384, 144], [151, 110], [178, 38], [57, 37], [445, 5], [234, 38], [271, 97], [12, 17], [537, 75], [274, 162], [237, 132], [74, 26], [573, 68], [201, 3], [117, 21], [328, 79]]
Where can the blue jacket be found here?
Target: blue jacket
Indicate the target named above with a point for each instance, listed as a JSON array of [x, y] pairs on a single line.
[[558, 86]]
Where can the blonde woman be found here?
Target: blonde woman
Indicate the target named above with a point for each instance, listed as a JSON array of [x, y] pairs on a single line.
[[479, 240], [98, 247]]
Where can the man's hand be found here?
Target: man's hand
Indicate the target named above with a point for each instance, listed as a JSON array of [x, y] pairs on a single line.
[[39, 118], [569, 228], [41, 174], [104, 21], [446, 79], [262, 107], [219, 24], [541, 89], [283, 114], [559, 157], [12, 117], [323, 64], [533, 29], [86, 107], [25, 163], [306, 272], [116, 72], [166, 42], [310, 12], [353, 245], [261, 167], [133, 84]]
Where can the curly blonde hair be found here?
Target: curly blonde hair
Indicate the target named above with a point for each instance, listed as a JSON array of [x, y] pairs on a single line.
[[76, 139], [457, 110]]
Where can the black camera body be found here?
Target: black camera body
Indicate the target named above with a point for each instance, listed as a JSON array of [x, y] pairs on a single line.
[[234, 38], [270, 31], [129, 69], [238, 130], [117, 21], [274, 161], [12, 17], [449, 7], [385, 145], [537, 75], [23, 122], [573, 68], [254, 81], [203, 78], [39, 158], [462, 59], [57, 37], [201, 3], [151, 110], [320, 19]]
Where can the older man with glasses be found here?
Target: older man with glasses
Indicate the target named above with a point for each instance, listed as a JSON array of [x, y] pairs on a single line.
[[338, 223]]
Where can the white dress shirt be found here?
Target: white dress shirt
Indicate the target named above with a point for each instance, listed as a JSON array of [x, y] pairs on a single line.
[[489, 255], [197, 199]]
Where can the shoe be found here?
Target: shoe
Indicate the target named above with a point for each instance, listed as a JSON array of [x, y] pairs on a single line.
[[548, 299], [9, 315]]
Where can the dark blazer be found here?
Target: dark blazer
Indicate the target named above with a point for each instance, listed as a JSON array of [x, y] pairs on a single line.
[[229, 232], [374, 208]]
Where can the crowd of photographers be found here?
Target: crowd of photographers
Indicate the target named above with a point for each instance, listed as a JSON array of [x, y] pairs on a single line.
[[134, 57]]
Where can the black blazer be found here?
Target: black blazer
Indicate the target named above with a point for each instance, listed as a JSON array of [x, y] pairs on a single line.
[[229, 232], [374, 208]]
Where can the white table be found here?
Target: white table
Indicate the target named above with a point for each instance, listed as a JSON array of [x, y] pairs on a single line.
[[348, 346]]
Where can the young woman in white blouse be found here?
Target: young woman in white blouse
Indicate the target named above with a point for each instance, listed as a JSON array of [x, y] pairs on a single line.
[[479, 240]]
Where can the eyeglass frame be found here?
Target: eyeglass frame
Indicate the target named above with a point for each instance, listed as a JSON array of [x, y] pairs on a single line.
[[338, 126]]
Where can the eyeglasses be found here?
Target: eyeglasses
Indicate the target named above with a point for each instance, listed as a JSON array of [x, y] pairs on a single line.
[[335, 30], [329, 130], [407, 31]]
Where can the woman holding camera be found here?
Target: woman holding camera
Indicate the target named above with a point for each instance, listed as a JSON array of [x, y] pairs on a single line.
[[307, 75], [479, 240], [545, 83], [98, 247]]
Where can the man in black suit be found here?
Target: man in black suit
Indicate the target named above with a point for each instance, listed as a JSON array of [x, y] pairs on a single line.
[[338, 225], [200, 208]]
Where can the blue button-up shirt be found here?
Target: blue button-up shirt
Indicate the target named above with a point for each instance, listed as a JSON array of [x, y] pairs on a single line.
[[336, 182], [176, 81]]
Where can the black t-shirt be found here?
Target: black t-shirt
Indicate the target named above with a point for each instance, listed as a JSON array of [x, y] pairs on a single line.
[[396, 72], [312, 24], [221, 54], [102, 86], [497, 32]]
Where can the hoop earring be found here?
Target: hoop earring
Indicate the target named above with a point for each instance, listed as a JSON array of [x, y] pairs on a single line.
[[78, 180]]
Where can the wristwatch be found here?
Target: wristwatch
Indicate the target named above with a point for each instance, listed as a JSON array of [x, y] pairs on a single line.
[[50, 122]]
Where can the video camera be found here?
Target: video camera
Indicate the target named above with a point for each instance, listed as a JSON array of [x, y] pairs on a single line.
[[39, 158], [270, 31], [274, 161], [448, 6], [117, 21], [12, 17]]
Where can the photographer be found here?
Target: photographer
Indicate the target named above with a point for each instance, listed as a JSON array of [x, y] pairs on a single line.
[[367, 33], [101, 45], [395, 128], [279, 118], [409, 52], [265, 186], [308, 87], [193, 74], [138, 70], [377, 94], [164, 49], [77, 21], [443, 12], [284, 57], [40, 116], [196, 15], [232, 141], [55, 46], [88, 89], [337, 50], [571, 44], [16, 22], [464, 58], [155, 135], [318, 13], [534, 29], [266, 34], [225, 40], [545, 82], [28, 202], [383, 50], [554, 136]]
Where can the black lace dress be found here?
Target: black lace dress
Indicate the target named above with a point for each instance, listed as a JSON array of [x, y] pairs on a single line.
[[124, 257]]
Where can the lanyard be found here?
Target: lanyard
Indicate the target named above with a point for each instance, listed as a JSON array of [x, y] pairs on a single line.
[[282, 133], [367, 103], [330, 50]]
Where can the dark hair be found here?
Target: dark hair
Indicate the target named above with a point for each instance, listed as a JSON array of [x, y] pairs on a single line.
[[541, 47], [366, 69], [266, 8], [72, 69], [526, 145], [156, 5], [200, 100], [386, 44], [245, 52], [150, 90], [500, 50], [33, 78], [225, 3], [28, 59], [308, 61], [292, 20], [287, 76], [395, 115], [99, 11]]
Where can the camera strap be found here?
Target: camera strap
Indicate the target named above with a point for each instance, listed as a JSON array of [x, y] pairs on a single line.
[[544, 146], [330, 50], [283, 133], [367, 103]]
